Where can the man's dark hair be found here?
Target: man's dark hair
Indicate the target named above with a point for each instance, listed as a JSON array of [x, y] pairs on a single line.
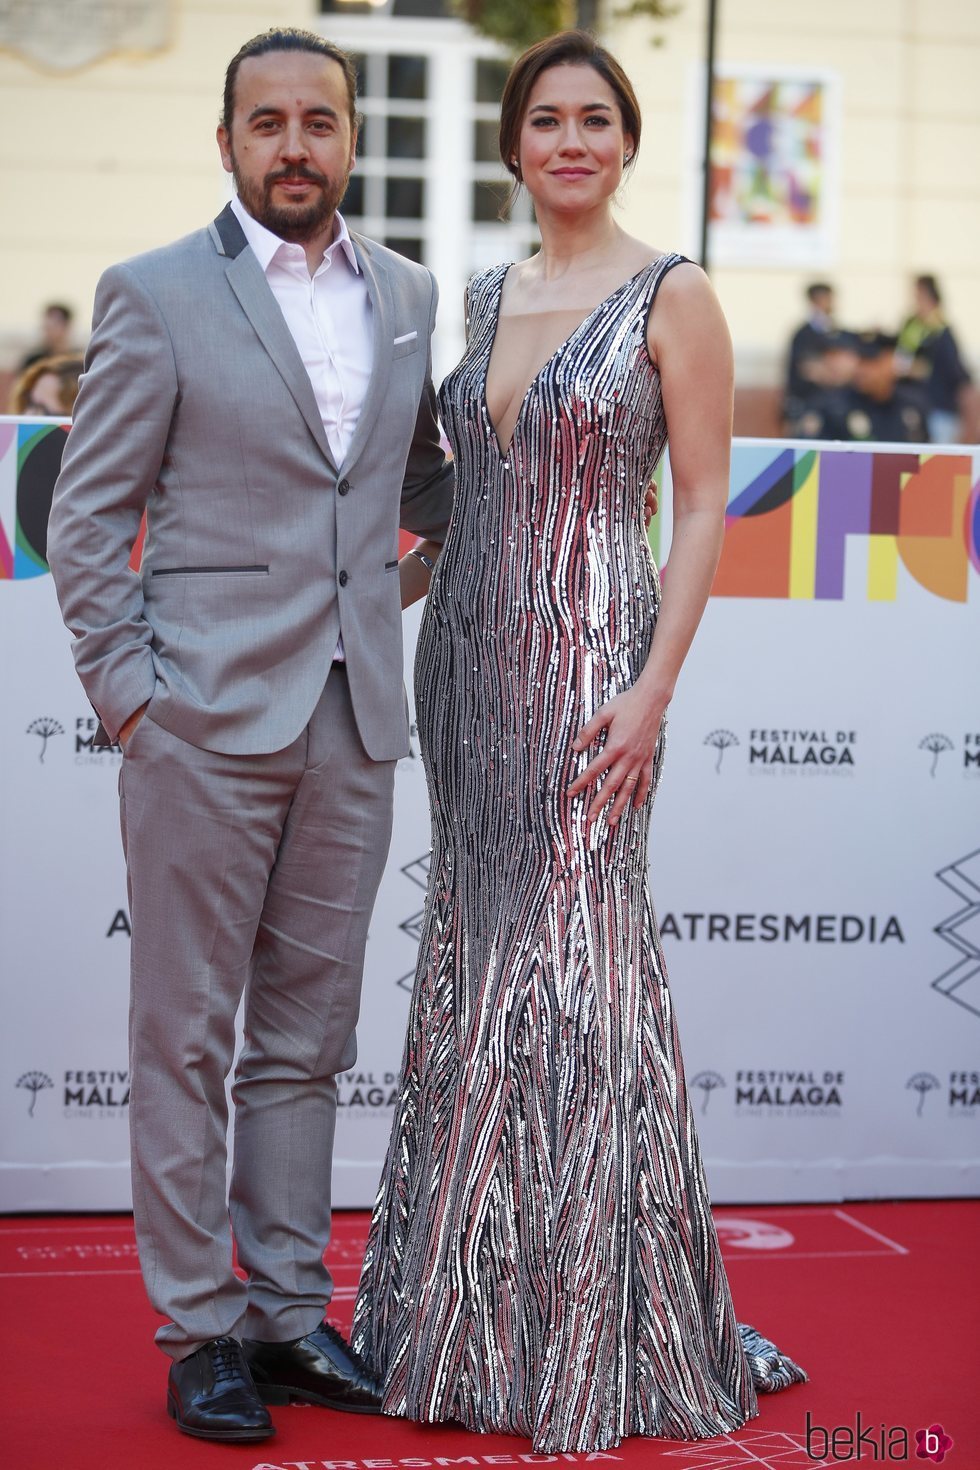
[[930, 285], [289, 38], [65, 312], [819, 288]]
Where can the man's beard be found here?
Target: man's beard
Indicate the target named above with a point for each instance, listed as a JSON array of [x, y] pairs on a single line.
[[296, 223]]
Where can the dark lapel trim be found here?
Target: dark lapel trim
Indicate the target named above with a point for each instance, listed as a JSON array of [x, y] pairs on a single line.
[[227, 233], [247, 279]]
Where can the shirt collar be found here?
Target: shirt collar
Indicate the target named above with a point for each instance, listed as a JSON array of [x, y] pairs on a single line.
[[265, 244]]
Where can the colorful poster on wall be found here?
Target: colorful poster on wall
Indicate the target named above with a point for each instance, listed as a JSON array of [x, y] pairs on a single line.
[[774, 173]]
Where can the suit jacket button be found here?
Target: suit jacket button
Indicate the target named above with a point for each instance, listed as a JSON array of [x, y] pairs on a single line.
[[343, 487], [342, 579]]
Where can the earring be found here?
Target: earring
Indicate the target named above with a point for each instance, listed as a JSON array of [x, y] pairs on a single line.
[[627, 158]]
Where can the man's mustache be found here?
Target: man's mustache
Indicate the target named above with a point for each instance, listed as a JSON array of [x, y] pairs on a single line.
[[293, 175]]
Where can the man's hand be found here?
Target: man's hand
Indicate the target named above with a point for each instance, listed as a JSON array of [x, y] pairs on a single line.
[[650, 503], [126, 730]]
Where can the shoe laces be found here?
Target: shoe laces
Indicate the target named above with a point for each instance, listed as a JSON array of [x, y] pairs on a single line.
[[226, 1359], [338, 1339]]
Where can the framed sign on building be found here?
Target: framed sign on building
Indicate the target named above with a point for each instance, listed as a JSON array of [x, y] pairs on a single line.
[[773, 197]]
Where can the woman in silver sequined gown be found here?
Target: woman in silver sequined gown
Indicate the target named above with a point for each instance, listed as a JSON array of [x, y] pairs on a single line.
[[542, 1259]]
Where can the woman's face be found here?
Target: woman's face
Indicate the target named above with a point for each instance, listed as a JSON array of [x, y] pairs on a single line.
[[572, 143], [46, 397]]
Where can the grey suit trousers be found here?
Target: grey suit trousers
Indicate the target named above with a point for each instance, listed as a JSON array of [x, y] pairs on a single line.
[[254, 875]]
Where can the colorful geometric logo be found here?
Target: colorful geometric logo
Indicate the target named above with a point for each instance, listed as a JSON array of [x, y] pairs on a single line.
[[30, 458], [796, 516]]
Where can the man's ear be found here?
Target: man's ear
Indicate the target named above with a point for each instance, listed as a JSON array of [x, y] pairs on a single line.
[[224, 147]]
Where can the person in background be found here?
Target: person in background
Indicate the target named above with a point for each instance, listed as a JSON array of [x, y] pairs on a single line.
[[833, 367], [806, 348], [930, 356], [48, 387], [56, 325], [878, 406]]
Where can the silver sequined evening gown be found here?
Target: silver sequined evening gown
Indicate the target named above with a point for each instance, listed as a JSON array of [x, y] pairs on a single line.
[[542, 1259]]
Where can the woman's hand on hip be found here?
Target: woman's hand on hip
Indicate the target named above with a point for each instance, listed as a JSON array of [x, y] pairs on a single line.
[[625, 762]]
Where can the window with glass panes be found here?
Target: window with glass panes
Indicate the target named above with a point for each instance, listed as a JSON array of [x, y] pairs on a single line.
[[428, 181]]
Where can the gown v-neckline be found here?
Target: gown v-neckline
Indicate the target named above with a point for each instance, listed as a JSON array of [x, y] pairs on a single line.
[[565, 342]]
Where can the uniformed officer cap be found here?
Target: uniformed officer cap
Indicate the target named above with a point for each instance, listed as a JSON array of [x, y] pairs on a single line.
[[837, 341], [874, 344]]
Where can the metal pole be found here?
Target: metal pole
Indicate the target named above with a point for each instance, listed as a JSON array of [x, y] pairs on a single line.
[[587, 15], [709, 89]]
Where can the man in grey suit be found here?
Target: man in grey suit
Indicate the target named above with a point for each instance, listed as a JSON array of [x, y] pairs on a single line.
[[262, 388]]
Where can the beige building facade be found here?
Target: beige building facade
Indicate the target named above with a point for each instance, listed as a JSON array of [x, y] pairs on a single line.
[[907, 144], [119, 156]]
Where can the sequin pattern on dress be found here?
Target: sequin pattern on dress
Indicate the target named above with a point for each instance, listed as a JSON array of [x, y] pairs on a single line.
[[542, 1259]]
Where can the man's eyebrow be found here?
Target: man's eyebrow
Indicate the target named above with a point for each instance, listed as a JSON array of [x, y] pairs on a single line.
[[319, 109], [586, 107]]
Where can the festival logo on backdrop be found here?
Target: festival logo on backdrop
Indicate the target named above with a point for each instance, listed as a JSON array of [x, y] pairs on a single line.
[[81, 732], [707, 1083], [95, 1093], [85, 1092], [44, 728], [30, 461], [803, 1092], [961, 753], [961, 983], [34, 1083], [720, 741], [802, 752], [962, 1092], [798, 518], [786, 752], [922, 1083], [366, 1094], [785, 1094], [30, 458]]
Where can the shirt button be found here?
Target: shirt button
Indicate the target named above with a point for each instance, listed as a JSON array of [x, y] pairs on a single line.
[[343, 487], [343, 579]]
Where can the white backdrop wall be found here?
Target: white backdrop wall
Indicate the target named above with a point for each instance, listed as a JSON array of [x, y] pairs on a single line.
[[815, 856]]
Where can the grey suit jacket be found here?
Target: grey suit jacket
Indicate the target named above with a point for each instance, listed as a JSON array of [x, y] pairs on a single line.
[[196, 406]]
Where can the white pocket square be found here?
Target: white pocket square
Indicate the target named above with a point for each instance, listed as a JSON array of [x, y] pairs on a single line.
[[408, 337]]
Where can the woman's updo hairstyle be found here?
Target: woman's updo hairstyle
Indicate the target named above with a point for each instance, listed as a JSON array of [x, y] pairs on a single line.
[[566, 48]]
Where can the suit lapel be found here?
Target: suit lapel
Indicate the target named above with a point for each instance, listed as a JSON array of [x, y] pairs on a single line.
[[382, 316], [247, 280]]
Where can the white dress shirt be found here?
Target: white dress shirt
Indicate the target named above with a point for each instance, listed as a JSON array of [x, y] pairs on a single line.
[[329, 318]]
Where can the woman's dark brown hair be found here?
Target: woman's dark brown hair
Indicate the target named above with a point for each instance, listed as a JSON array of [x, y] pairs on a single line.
[[566, 48]]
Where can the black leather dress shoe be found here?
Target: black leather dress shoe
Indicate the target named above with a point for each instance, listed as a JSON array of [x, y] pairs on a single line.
[[211, 1395], [320, 1368]]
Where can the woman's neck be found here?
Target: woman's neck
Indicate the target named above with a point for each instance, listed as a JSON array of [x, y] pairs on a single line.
[[575, 241]]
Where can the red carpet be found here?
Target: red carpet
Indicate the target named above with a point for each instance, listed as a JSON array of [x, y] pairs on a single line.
[[878, 1302]]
